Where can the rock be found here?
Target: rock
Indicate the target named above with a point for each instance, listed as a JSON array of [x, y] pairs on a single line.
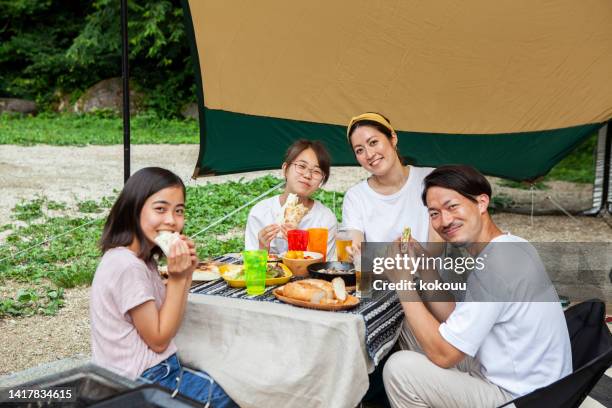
[[108, 94], [190, 111], [15, 105], [61, 101]]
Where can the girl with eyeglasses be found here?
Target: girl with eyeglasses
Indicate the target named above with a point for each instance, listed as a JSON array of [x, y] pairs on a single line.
[[379, 208], [306, 169]]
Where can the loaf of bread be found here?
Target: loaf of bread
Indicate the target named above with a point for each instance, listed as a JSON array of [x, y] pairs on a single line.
[[316, 291]]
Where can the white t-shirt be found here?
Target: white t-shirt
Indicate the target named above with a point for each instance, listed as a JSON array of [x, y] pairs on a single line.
[[266, 212], [382, 218], [521, 345]]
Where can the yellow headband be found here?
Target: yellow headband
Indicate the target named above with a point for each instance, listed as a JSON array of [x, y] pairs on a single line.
[[374, 117]]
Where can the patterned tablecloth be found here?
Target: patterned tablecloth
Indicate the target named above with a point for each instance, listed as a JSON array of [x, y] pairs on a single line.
[[382, 314]]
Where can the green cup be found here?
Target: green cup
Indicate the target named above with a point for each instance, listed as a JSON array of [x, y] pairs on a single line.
[[255, 265]]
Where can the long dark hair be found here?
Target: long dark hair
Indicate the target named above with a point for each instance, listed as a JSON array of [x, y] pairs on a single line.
[[123, 223], [463, 179]]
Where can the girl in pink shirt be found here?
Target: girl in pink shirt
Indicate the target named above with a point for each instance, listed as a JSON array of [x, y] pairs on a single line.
[[134, 316]]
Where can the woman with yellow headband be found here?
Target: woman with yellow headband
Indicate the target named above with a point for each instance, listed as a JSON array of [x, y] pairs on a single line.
[[381, 207]]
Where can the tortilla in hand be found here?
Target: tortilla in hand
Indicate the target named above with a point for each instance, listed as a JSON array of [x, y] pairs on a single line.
[[294, 211], [165, 239]]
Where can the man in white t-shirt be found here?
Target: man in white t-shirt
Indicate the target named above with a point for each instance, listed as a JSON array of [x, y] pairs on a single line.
[[507, 338]]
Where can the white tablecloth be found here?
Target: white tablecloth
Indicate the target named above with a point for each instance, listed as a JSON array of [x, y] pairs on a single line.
[[274, 355]]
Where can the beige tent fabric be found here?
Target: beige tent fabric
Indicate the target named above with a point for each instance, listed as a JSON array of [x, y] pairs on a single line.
[[444, 66]]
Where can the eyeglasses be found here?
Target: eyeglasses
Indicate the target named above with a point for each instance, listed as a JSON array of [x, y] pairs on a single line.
[[302, 169]]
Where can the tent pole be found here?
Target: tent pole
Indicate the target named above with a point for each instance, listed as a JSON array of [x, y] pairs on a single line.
[[125, 73]]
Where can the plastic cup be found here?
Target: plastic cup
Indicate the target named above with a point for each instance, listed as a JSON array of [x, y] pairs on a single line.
[[255, 265], [317, 241], [297, 240]]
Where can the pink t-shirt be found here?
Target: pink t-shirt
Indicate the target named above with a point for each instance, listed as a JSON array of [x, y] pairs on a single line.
[[122, 282]]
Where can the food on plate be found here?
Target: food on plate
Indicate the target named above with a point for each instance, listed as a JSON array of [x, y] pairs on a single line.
[[236, 272], [297, 255], [273, 258], [163, 271], [206, 271], [316, 291], [165, 239], [274, 271], [334, 271], [406, 234], [292, 211], [339, 289]]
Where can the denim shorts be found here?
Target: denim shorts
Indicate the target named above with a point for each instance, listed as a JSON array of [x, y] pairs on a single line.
[[196, 385]]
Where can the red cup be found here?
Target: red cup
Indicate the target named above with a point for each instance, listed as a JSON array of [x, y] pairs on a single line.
[[298, 240]]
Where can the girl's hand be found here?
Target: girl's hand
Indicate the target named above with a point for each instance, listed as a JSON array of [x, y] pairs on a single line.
[[180, 262], [192, 252], [287, 227], [267, 234]]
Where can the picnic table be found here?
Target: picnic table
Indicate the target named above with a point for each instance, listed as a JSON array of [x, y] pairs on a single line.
[[267, 353]]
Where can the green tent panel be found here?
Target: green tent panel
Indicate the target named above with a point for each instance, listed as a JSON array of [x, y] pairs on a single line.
[[509, 87]]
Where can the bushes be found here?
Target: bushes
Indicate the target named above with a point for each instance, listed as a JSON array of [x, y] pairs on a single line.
[[49, 45]]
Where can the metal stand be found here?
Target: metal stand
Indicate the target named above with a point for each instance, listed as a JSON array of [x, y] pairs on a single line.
[[602, 186], [125, 73]]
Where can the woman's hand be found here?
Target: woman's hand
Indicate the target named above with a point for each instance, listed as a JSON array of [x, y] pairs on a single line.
[[287, 227], [267, 234], [182, 260]]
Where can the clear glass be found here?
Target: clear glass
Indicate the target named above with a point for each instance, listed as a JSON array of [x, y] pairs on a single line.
[[344, 239]]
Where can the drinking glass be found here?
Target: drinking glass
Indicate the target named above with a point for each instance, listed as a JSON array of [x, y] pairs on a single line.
[[298, 240], [343, 240], [255, 265], [317, 241]]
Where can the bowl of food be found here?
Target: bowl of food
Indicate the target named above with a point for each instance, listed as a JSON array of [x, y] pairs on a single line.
[[298, 261], [330, 270]]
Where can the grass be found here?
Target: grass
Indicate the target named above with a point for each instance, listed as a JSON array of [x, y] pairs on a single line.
[[578, 167], [101, 129], [71, 260]]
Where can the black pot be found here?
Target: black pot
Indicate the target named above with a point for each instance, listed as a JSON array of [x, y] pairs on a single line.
[[345, 270]]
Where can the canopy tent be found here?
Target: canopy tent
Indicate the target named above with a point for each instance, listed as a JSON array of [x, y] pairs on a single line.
[[509, 87]]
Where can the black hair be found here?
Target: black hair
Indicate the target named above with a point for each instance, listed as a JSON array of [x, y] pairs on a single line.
[[465, 180], [378, 126], [123, 222], [319, 149]]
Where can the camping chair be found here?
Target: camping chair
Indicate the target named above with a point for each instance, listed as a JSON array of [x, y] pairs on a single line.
[[591, 356]]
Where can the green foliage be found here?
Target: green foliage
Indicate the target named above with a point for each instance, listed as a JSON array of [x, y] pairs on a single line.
[[29, 211], [89, 206], [80, 130], [524, 185], [31, 301], [577, 167], [70, 45], [499, 202], [71, 260]]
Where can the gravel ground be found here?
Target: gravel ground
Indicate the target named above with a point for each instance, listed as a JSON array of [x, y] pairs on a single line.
[[71, 174]]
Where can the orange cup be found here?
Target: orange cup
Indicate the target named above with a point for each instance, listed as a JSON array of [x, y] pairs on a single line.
[[317, 241]]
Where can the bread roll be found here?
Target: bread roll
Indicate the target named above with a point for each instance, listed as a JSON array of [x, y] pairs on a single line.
[[339, 288], [309, 290]]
